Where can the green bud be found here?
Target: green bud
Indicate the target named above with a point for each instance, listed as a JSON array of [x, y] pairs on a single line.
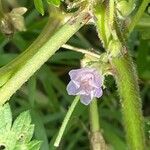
[[114, 48], [17, 18], [125, 8]]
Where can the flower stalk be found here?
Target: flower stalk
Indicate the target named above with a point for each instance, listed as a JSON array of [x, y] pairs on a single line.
[[96, 138], [65, 121]]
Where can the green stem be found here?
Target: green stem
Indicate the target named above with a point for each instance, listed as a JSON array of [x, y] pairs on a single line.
[[35, 60], [94, 116], [138, 15], [128, 89], [97, 141], [66, 120], [129, 93], [7, 71]]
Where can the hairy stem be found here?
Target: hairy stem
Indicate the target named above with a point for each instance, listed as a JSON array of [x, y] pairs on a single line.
[[97, 141], [7, 70], [128, 89], [34, 60]]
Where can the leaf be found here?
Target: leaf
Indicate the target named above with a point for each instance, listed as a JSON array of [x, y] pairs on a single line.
[[19, 135], [22, 123], [5, 118], [54, 2], [39, 6]]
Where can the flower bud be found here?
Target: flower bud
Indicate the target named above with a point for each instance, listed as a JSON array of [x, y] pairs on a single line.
[[125, 8], [13, 21], [114, 48]]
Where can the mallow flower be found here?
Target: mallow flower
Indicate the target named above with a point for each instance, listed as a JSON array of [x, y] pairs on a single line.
[[85, 82]]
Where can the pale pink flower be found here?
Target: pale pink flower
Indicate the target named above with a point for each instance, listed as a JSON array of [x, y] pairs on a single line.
[[86, 82]]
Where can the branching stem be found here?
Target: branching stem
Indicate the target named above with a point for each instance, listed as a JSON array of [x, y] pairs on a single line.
[[32, 60]]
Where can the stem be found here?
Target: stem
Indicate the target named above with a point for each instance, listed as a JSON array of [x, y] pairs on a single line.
[[35, 60], [66, 120], [138, 15], [7, 71], [97, 141], [84, 51], [55, 20], [94, 116], [128, 89]]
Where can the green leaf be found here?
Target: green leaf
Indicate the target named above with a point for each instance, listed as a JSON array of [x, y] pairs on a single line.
[[5, 118], [54, 2], [39, 6], [22, 123], [19, 135]]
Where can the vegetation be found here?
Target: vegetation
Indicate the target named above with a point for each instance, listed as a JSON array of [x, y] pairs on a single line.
[[41, 41]]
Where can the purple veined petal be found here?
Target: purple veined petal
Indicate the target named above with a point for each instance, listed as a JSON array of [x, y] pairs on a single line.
[[71, 88], [98, 93], [85, 99], [74, 73], [77, 84], [98, 79], [80, 72], [94, 84]]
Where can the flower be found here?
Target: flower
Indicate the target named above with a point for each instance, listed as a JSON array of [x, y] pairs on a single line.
[[86, 82]]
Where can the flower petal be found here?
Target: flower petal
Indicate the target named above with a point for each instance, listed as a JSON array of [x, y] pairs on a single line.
[[75, 73], [71, 88], [85, 99], [98, 93]]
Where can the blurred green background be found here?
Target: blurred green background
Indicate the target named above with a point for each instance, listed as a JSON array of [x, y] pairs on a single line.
[[45, 93]]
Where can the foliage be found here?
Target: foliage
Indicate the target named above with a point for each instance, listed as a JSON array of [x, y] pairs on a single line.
[[17, 135]]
